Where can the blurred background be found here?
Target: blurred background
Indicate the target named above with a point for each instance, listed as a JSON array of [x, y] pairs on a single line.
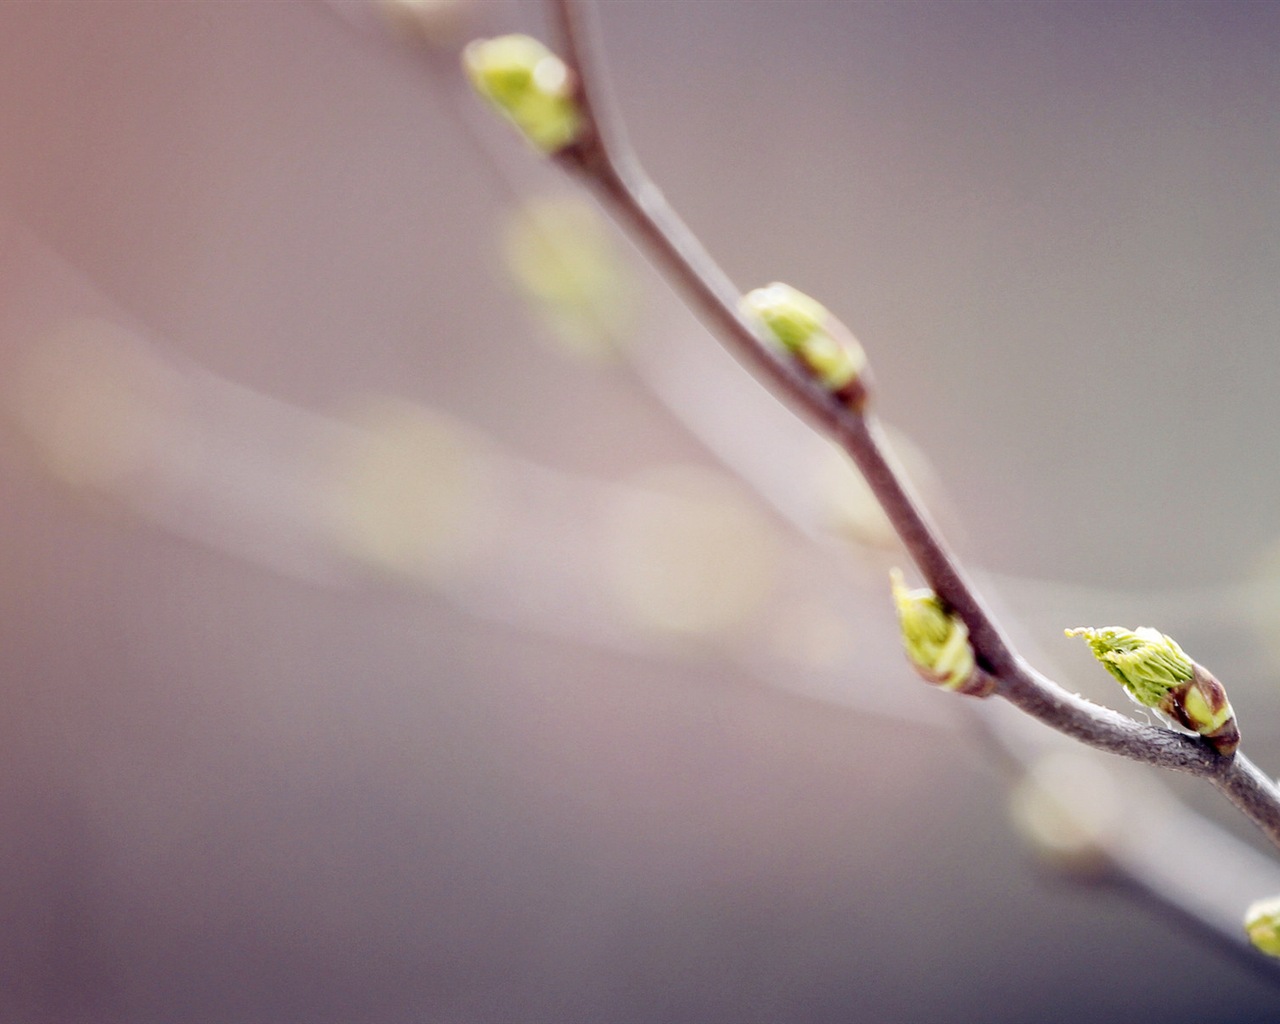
[[409, 615]]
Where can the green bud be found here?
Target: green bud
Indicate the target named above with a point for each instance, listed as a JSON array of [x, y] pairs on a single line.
[[1146, 662], [936, 641], [529, 85], [805, 328], [1262, 925], [1156, 673]]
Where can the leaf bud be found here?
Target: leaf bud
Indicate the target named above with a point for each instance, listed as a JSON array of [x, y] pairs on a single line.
[[937, 641], [1156, 673], [529, 85], [1262, 925], [803, 327]]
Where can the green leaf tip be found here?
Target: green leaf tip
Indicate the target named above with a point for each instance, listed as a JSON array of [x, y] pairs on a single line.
[[529, 85], [937, 641], [1146, 663], [1156, 673], [1262, 925], [802, 326]]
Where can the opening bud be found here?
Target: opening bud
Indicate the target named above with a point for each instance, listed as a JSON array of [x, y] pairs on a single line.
[[529, 85], [1262, 925], [1156, 673], [937, 642], [803, 326]]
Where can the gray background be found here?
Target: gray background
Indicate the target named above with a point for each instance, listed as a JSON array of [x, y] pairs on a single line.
[[229, 795]]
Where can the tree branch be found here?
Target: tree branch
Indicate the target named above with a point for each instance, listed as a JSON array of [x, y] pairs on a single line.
[[603, 158]]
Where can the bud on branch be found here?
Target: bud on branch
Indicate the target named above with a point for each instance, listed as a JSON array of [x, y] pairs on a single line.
[[821, 343], [529, 85], [1262, 925], [937, 642], [1156, 673]]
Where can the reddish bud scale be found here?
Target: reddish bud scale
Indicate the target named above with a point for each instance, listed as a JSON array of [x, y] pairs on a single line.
[[1223, 737], [979, 684]]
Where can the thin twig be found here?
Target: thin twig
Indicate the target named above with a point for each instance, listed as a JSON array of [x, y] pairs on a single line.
[[603, 158]]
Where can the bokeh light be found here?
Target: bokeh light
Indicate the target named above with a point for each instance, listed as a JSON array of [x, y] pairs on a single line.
[[95, 402], [686, 553], [564, 258], [411, 491], [1068, 808]]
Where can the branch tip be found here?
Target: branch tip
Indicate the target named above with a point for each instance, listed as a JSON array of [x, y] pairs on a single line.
[[530, 86]]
